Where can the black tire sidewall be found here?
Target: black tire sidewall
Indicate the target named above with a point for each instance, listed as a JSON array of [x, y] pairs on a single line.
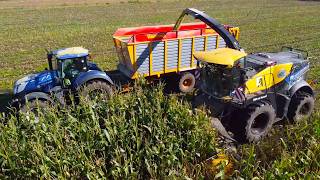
[[95, 85], [297, 103], [35, 103], [39, 105], [266, 109]]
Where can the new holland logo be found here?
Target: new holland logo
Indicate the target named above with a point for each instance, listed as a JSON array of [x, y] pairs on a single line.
[[282, 73]]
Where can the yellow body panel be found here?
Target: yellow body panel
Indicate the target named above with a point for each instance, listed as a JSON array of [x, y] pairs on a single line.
[[222, 56], [268, 77]]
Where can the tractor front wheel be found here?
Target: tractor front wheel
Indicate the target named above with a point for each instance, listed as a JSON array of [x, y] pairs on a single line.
[[187, 82], [94, 89], [33, 107], [301, 106]]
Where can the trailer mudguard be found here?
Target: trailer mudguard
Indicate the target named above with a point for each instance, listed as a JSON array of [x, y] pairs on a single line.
[[84, 77], [301, 85], [212, 23]]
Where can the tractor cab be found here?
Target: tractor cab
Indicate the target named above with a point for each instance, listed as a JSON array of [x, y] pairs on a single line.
[[68, 63]]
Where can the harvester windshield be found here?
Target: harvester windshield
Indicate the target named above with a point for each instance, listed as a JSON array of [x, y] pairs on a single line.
[[220, 81]]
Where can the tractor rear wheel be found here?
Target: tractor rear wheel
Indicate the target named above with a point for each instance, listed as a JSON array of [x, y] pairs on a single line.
[[187, 82], [301, 107], [256, 122], [96, 88]]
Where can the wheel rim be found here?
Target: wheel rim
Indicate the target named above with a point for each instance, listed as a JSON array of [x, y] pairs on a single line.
[[260, 123], [187, 83]]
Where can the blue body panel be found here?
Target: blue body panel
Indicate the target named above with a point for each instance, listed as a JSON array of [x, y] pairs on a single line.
[[90, 75], [41, 82], [93, 66]]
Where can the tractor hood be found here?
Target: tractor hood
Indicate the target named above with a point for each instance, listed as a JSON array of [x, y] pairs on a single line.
[[33, 82]]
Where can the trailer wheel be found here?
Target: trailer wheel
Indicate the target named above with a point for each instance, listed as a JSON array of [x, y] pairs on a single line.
[[301, 107], [187, 82], [96, 88]]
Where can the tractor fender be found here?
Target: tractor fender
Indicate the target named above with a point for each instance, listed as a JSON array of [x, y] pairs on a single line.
[[36, 95], [301, 85], [88, 76]]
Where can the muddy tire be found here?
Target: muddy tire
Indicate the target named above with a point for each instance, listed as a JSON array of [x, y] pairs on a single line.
[[93, 89], [187, 82], [255, 122], [301, 106]]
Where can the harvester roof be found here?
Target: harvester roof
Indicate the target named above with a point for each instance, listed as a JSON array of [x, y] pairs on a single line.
[[222, 56], [69, 53]]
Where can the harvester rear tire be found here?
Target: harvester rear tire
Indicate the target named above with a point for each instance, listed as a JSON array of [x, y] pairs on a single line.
[[187, 82], [93, 89], [301, 106]]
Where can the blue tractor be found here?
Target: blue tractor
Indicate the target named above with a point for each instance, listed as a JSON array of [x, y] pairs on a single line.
[[70, 73]]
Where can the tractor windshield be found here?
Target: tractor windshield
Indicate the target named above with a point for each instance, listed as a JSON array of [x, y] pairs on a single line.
[[220, 81], [70, 68]]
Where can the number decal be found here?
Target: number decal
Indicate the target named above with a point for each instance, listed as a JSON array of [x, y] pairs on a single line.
[[259, 82]]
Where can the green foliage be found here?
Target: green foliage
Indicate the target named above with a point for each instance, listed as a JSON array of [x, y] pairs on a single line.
[[142, 134], [291, 152]]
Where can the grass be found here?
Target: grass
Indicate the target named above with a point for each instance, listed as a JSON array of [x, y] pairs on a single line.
[[291, 151]]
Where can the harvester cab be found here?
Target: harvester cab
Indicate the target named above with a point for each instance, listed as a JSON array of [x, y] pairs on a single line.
[[251, 92]]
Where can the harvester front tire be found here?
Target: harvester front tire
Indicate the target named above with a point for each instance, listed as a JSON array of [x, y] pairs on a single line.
[[301, 106], [253, 123], [187, 82], [260, 118], [96, 88]]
